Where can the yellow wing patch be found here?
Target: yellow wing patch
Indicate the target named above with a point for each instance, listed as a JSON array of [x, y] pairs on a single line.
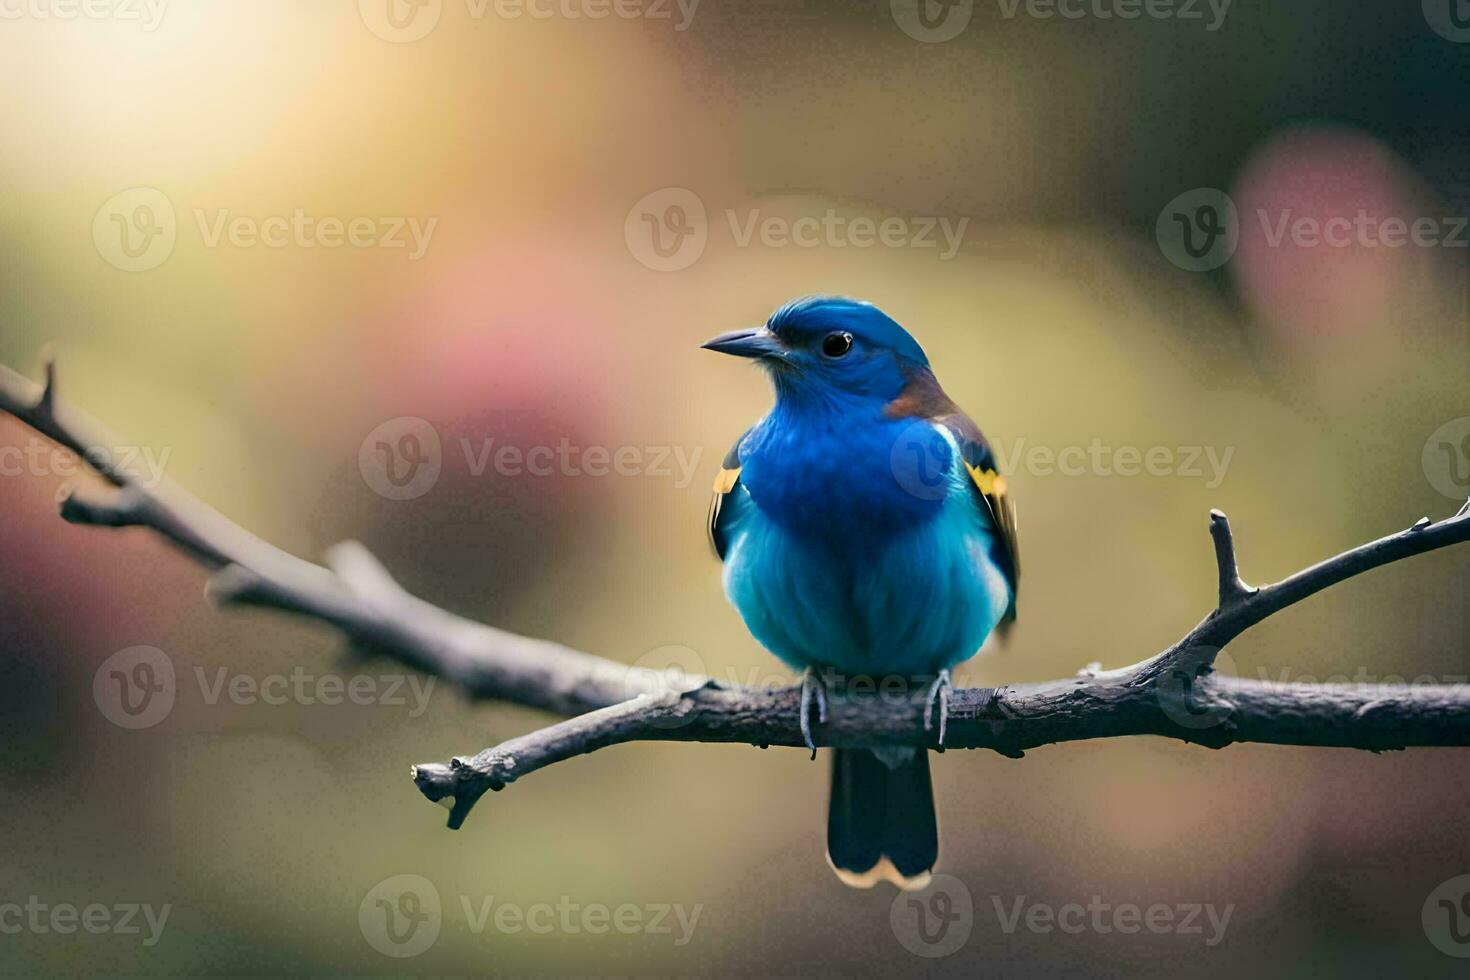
[[725, 480], [724, 483], [992, 487], [989, 481]]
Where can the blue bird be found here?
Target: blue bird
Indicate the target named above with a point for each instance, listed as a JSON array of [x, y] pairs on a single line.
[[866, 533]]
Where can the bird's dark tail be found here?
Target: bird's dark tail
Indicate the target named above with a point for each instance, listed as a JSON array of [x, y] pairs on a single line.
[[880, 823]]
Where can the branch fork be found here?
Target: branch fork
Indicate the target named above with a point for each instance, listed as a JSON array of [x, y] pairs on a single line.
[[1175, 693]]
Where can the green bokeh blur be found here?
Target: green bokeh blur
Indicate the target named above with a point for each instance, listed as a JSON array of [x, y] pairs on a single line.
[[163, 188]]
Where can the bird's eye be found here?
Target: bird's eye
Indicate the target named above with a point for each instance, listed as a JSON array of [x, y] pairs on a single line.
[[836, 344]]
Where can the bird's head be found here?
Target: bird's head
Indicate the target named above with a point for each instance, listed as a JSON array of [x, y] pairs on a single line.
[[825, 345]]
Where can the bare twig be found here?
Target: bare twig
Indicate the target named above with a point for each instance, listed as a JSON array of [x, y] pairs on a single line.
[[1175, 694], [355, 594], [1232, 590]]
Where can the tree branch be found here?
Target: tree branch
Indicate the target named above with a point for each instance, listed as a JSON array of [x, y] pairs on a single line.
[[1175, 694], [355, 593]]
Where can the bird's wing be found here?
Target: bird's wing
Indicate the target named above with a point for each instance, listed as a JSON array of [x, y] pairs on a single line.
[[991, 486], [725, 482]]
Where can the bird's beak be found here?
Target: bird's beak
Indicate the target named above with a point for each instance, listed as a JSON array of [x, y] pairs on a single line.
[[760, 342]]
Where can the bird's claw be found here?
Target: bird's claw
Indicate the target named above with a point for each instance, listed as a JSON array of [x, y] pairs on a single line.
[[812, 690], [938, 691]]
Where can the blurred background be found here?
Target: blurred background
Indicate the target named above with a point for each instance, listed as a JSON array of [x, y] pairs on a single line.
[[323, 263]]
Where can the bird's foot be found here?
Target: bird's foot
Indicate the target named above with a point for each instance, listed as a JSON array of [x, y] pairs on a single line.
[[938, 692], [812, 689]]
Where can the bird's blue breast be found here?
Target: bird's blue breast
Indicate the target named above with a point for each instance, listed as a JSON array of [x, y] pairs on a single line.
[[845, 552], [839, 482]]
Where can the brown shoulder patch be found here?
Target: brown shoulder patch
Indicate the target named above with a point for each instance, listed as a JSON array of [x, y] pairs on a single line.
[[921, 398]]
